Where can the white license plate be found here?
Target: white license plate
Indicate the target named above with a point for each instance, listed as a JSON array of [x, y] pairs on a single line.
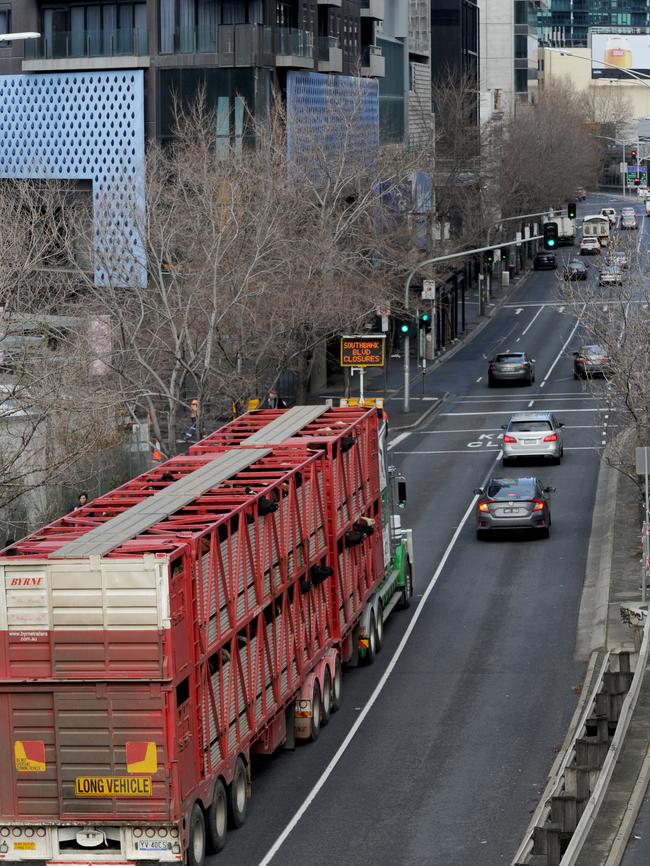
[[531, 441], [153, 846]]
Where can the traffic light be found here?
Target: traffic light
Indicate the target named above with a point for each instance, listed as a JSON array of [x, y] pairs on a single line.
[[550, 236], [424, 319], [488, 258], [633, 153], [637, 181], [404, 328], [571, 210]]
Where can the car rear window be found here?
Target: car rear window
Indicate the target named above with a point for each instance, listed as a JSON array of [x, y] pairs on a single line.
[[509, 359], [511, 488], [530, 426]]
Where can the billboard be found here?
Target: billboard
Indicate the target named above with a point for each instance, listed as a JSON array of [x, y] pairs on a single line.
[[612, 54]]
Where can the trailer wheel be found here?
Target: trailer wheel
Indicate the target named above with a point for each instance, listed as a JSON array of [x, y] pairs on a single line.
[[238, 795], [217, 818], [316, 712], [327, 697], [380, 625], [371, 651], [407, 591], [196, 848], [337, 686]]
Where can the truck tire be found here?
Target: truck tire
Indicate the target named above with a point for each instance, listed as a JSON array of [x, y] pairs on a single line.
[[316, 712], [337, 686], [217, 818], [238, 795], [371, 651], [380, 626], [327, 697], [197, 839], [407, 591]]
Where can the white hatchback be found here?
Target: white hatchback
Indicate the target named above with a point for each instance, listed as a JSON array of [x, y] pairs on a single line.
[[589, 246]]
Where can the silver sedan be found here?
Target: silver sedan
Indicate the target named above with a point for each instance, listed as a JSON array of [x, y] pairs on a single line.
[[533, 434]]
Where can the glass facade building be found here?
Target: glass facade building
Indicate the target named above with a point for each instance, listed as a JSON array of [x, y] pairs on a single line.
[[567, 22]]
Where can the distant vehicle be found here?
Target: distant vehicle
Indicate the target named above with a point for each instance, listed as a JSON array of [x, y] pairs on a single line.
[[511, 367], [566, 230], [642, 191], [581, 193], [628, 211], [647, 205], [610, 213], [575, 270], [591, 360], [533, 434], [610, 275], [544, 261], [589, 247], [513, 503], [596, 226], [619, 258], [628, 221]]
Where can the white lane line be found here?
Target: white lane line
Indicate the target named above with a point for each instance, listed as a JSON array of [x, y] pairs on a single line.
[[496, 429], [479, 378], [517, 340], [579, 398], [483, 450], [564, 409], [529, 326], [279, 842], [531, 403], [561, 352], [398, 439]]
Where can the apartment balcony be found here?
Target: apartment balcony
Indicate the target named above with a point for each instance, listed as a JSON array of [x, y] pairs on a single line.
[[87, 49], [330, 54], [372, 9], [237, 45], [373, 63]]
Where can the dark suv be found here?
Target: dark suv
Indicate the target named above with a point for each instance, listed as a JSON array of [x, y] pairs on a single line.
[[544, 261], [511, 367]]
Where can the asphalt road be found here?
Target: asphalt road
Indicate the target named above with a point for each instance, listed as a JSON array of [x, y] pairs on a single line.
[[448, 763]]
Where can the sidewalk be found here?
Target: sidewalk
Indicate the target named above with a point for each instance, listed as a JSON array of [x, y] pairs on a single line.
[[613, 568], [388, 382]]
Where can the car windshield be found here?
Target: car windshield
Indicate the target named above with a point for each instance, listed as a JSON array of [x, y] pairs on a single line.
[[511, 488], [593, 350], [575, 266], [509, 359], [530, 426]]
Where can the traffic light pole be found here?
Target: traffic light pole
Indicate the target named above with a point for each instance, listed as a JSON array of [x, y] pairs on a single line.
[[407, 287]]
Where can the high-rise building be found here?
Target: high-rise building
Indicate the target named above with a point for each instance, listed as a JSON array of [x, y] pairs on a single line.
[[567, 22], [455, 46]]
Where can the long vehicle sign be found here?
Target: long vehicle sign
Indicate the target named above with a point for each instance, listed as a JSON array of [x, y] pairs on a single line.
[[105, 786]]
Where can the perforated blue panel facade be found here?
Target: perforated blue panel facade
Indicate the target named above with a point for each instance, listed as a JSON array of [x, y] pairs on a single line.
[[329, 108], [84, 126]]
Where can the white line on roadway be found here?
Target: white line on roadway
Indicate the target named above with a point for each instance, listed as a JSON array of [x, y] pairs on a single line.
[[279, 842], [564, 409], [493, 429], [483, 450], [561, 352], [398, 439], [479, 378], [531, 403], [566, 395], [524, 332]]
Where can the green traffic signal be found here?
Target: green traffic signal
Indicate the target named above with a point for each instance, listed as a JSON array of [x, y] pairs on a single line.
[[404, 328], [551, 242], [425, 317]]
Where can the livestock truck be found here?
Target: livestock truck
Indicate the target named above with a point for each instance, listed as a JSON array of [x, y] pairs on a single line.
[[153, 640]]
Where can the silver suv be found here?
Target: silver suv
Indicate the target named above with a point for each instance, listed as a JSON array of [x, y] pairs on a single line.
[[533, 434]]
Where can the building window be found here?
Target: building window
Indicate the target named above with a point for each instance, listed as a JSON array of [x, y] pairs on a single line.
[[5, 22], [521, 47], [521, 80], [82, 31]]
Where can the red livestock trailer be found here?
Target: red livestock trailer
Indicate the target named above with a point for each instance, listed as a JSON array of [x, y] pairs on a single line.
[[152, 640]]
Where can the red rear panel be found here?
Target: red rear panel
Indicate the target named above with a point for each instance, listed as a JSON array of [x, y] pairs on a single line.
[[84, 752]]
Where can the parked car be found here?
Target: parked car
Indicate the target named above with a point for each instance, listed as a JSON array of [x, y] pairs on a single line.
[[589, 247], [610, 275], [618, 258], [591, 360], [513, 503], [576, 270], [544, 261], [533, 434], [610, 213], [511, 367], [581, 193], [628, 221]]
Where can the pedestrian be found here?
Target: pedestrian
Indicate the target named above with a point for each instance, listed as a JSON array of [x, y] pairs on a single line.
[[274, 401], [81, 501]]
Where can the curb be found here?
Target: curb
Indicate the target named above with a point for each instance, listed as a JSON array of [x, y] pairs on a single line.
[[425, 415], [619, 845]]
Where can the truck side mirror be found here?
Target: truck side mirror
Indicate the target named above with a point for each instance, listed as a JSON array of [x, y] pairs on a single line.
[[401, 491]]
